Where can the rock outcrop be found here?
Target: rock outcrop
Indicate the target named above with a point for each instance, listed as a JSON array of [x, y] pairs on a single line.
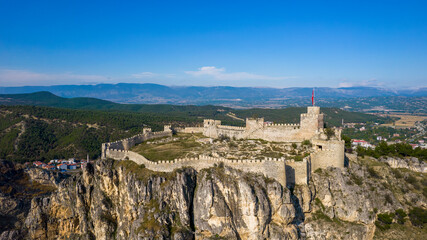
[[234, 205], [123, 200], [412, 163]]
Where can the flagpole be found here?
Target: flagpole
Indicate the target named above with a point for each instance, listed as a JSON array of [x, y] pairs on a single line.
[[312, 98]]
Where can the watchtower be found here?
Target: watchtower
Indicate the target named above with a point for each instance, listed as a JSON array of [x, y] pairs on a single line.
[[312, 121], [253, 124]]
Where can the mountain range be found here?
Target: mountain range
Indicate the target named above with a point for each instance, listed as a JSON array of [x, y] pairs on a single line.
[[189, 112], [219, 95]]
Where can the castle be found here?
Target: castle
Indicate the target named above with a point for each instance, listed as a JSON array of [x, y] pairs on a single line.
[[328, 151]]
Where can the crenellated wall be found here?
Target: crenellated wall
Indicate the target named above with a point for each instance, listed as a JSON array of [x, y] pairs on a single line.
[[189, 130], [311, 123], [128, 143], [328, 152], [270, 167]]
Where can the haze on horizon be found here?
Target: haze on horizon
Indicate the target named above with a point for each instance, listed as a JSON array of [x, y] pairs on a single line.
[[239, 43]]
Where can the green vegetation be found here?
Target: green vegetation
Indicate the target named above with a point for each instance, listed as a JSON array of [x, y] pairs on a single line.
[[395, 150], [400, 216], [347, 141], [180, 146], [306, 143], [41, 133], [384, 221], [319, 215], [372, 131], [333, 116], [418, 216], [45, 132], [329, 132]]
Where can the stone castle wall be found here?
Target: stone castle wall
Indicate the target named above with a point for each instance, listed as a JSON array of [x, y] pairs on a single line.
[[297, 172], [119, 150], [331, 154], [128, 143], [270, 167], [189, 130], [310, 125], [327, 152]]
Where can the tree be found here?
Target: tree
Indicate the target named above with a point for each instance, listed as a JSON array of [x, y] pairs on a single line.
[[347, 141], [329, 132]]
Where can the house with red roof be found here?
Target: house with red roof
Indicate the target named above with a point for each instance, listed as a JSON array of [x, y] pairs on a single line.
[[62, 166]]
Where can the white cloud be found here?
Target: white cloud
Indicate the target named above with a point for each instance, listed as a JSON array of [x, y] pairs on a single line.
[[221, 74], [365, 83], [11, 77], [145, 75]]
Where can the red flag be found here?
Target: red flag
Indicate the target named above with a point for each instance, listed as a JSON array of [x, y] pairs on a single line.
[[312, 98]]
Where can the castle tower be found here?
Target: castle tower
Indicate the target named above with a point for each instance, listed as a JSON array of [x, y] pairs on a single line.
[[210, 128], [253, 124], [167, 128], [311, 122]]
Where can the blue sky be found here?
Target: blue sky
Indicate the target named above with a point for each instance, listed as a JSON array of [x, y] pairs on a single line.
[[206, 43]]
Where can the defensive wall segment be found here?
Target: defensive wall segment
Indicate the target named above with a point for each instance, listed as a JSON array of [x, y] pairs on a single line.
[[327, 152], [272, 168], [128, 143], [286, 172]]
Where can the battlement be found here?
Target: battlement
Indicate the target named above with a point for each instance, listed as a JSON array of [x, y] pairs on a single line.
[[127, 143], [213, 122], [282, 124], [325, 153], [270, 167], [231, 127]]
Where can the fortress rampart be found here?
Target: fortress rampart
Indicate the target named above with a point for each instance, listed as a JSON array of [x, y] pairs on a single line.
[[271, 167], [327, 152], [311, 124], [189, 130], [128, 143]]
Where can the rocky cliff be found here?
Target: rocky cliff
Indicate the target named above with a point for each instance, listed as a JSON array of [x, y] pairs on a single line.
[[121, 200]]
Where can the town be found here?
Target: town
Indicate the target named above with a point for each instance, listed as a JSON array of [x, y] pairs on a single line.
[[369, 135], [62, 165]]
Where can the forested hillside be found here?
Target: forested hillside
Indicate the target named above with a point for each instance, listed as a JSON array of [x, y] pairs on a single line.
[[82, 124], [40, 133], [333, 116]]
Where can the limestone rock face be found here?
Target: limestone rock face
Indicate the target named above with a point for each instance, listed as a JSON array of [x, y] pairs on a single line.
[[346, 201], [412, 163], [109, 202], [230, 204], [45, 177], [123, 200]]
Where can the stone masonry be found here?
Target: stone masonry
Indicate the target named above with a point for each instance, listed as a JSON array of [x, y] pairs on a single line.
[[328, 152]]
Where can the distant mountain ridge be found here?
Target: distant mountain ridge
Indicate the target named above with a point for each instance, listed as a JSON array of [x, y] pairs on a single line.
[[223, 95], [189, 112]]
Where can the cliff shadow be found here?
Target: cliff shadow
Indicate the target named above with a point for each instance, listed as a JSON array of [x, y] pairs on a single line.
[[290, 177], [346, 161]]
